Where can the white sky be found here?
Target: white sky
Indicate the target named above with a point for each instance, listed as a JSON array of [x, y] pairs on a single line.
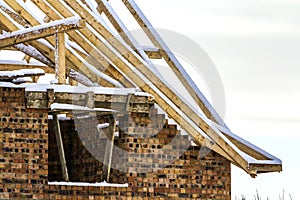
[[254, 45]]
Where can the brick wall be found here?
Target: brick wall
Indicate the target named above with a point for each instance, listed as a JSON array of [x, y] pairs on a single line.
[[23, 146], [153, 157]]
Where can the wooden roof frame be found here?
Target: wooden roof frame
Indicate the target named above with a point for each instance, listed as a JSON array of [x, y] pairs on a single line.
[[107, 61]]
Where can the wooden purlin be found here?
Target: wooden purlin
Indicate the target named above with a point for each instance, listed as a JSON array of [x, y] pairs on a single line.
[[173, 63], [103, 65], [72, 61]]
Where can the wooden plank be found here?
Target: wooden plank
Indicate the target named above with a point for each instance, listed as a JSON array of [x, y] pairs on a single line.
[[21, 65], [41, 31], [102, 65], [60, 62], [109, 150], [264, 168], [60, 147]]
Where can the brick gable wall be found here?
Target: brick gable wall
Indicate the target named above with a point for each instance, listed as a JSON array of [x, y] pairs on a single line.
[[145, 144]]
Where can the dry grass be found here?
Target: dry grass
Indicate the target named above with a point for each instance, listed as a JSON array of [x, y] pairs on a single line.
[[258, 197]]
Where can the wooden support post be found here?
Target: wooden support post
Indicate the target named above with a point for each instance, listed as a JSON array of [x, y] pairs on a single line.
[[109, 150], [60, 147], [60, 58], [35, 78]]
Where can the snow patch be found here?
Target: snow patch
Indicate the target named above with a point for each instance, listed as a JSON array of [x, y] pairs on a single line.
[[102, 184], [102, 126], [61, 106], [22, 80]]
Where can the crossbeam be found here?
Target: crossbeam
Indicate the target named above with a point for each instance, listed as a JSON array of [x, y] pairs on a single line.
[[40, 31]]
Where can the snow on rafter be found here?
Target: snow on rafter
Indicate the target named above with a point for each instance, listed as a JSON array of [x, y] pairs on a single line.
[[44, 30], [21, 73]]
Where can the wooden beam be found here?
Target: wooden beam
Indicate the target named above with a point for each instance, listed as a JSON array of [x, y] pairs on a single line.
[[72, 61], [9, 66], [109, 150], [263, 168], [60, 147], [41, 31], [103, 64], [60, 60]]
